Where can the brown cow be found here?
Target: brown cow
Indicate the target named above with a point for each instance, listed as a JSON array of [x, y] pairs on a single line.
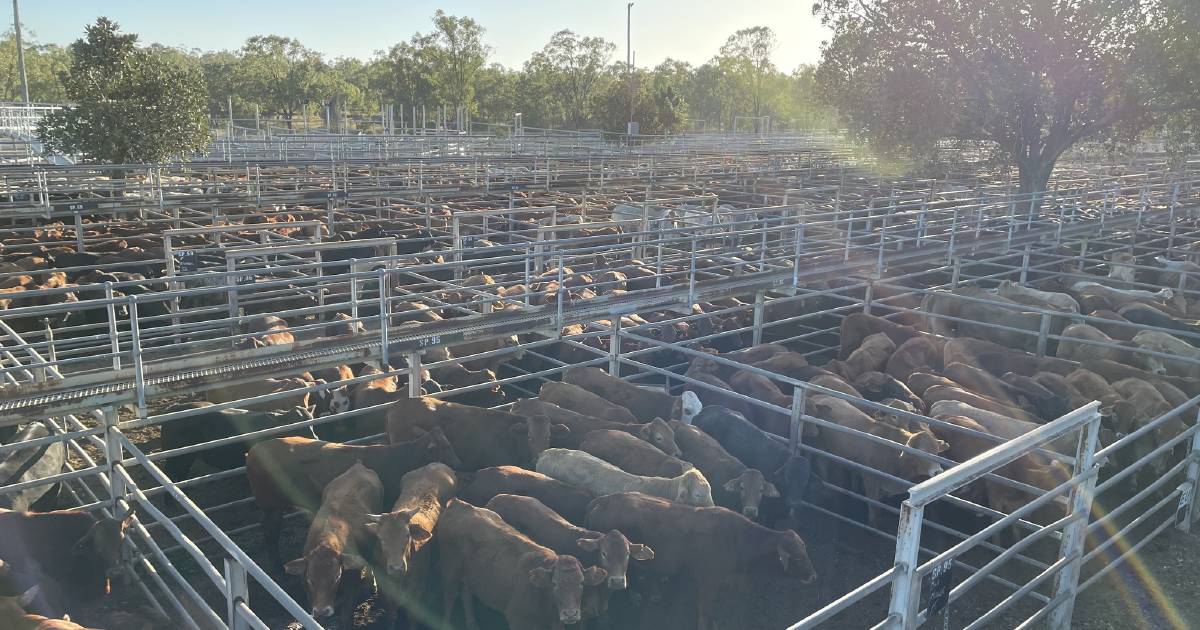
[[569, 501], [919, 354], [336, 540], [267, 330], [715, 394], [856, 327], [645, 404], [836, 383], [483, 557], [481, 437], [708, 545], [735, 485], [871, 356], [979, 381], [580, 400], [577, 426], [610, 551], [632, 455], [286, 472], [920, 382], [1150, 405], [763, 389], [404, 532], [877, 456], [936, 393], [1000, 360]]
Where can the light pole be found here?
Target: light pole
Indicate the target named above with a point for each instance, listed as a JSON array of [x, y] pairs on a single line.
[[21, 53], [629, 63]]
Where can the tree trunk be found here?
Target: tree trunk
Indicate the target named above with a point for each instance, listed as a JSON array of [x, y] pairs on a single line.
[[1033, 175]]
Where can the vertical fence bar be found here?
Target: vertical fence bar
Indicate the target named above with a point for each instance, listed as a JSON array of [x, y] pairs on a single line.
[[759, 307], [1043, 334], [139, 376], [614, 347], [383, 318], [906, 588], [113, 337], [1191, 485], [236, 591], [113, 454], [1075, 533], [796, 431]]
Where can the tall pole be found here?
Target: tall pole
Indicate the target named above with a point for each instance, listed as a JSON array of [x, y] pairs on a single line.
[[629, 61], [20, 53]]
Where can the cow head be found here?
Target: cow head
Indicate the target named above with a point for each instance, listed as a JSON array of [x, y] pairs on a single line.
[[796, 474], [693, 489], [661, 435], [565, 578], [401, 534], [916, 468], [751, 487], [322, 568], [615, 551], [106, 538], [332, 401], [794, 557], [537, 430], [438, 446], [687, 406]]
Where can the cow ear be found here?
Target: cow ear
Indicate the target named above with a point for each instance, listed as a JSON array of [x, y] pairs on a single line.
[[769, 490], [540, 577], [942, 446], [419, 534], [594, 575], [588, 544], [295, 567], [638, 551], [559, 430], [734, 485]]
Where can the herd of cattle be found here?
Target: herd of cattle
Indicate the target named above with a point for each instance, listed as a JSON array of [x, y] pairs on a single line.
[[547, 509]]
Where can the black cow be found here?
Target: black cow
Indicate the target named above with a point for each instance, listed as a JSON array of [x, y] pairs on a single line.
[[215, 424]]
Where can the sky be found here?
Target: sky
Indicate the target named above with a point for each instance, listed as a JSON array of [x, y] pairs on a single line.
[[688, 30]]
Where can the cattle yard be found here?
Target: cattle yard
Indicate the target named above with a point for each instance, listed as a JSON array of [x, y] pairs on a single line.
[[543, 253]]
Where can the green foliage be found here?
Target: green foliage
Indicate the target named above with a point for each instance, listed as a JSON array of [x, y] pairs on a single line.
[[43, 65], [571, 82], [1033, 78], [130, 104]]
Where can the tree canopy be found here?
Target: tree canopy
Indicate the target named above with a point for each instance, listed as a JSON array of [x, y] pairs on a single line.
[[129, 104], [1031, 77]]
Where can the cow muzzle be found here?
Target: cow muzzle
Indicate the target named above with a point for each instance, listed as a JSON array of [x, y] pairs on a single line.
[[569, 616], [617, 583], [397, 569], [323, 611]]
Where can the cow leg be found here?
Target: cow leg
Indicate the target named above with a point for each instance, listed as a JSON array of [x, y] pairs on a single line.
[[272, 529], [469, 607]]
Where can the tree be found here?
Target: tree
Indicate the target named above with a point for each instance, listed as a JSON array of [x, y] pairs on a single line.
[[1032, 77], [658, 102], [282, 75], [747, 57], [569, 68], [129, 104], [43, 64], [459, 53]]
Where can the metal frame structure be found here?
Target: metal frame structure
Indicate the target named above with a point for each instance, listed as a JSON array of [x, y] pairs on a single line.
[[798, 213]]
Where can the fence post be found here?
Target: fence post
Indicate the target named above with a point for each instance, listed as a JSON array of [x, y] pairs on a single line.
[[113, 454], [135, 346], [1025, 265], [868, 298], [1075, 534], [956, 272], [1191, 487], [1043, 333], [414, 374], [614, 347], [113, 337], [236, 591], [906, 588], [796, 433], [383, 318], [759, 306]]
